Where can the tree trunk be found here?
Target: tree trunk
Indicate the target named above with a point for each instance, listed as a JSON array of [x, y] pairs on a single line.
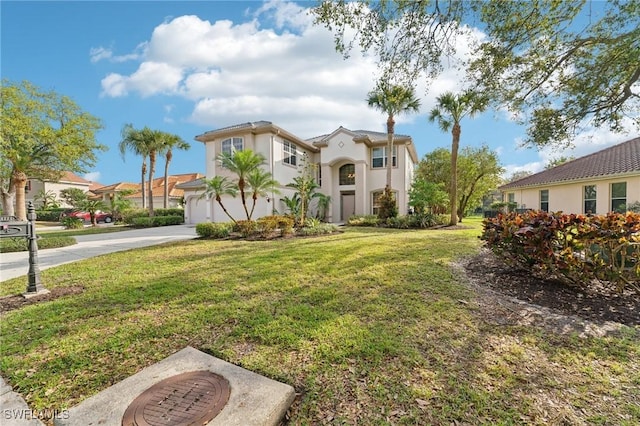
[[219, 200], [243, 197], [453, 191], [166, 179], [390, 131], [8, 197], [152, 170], [142, 188], [19, 179]]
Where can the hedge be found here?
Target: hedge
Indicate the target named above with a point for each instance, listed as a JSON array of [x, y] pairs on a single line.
[[129, 216], [50, 215], [148, 222], [576, 249], [8, 245]]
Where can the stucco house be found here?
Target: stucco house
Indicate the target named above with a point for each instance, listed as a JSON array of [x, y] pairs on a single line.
[[350, 168], [598, 183], [67, 180]]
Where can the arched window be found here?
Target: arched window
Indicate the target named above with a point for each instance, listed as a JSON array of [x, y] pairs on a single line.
[[348, 174]]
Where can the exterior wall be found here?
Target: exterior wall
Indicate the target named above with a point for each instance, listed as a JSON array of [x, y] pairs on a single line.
[[568, 197], [55, 187]]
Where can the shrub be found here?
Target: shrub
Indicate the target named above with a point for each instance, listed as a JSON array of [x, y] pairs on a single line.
[[265, 226], [285, 223], [365, 220], [148, 222], [49, 215], [70, 222], [320, 229], [213, 230], [388, 208], [169, 212], [576, 249], [9, 245], [245, 227], [129, 215]]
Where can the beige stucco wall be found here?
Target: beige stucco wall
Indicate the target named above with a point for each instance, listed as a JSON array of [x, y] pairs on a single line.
[[568, 197], [55, 187]]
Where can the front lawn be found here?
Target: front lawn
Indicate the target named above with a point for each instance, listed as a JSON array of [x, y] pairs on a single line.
[[372, 326]]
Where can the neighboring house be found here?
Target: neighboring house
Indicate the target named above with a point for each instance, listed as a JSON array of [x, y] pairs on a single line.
[[68, 180], [350, 168], [604, 181], [157, 189], [107, 193]]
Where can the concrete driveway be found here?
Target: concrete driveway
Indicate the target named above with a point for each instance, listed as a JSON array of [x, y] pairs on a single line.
[[17, 264]]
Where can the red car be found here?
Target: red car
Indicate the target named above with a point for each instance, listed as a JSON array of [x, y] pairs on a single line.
[[86, 216]]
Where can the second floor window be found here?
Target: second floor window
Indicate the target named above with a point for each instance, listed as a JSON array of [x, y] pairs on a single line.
[[347, 174], [290, 153], [379, 157], [231, 145]]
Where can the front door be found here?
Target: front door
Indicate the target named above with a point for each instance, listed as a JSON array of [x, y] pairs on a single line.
[[348, 206]]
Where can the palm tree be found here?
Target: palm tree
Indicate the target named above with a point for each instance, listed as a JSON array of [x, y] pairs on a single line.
[[448, 112], [392, 100], [242, 163], [92, 206], [170, 142], [132, 140], [261, 183], [218, 186], [153, 140]]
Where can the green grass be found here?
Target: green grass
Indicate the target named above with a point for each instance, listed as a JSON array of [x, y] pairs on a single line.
[[372, 327]]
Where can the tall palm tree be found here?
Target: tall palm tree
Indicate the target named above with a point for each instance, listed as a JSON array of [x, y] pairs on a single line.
[[170, 142], [450, 109], [133, 140], [242, 163], [261, 183], [153, 140], [218, 186], [392, 100]]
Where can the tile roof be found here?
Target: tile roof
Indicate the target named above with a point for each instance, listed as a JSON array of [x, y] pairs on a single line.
[[157, 187], [619, 159], [374, 136], [72, 177], [247, 125], [118, 187]]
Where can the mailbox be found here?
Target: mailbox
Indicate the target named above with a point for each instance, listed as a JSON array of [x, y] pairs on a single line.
[[13, 228]]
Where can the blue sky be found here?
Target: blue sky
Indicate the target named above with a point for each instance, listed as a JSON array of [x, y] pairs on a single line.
[[187, 67]]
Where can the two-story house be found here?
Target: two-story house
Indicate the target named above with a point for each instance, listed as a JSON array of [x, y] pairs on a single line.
[[351, 169]]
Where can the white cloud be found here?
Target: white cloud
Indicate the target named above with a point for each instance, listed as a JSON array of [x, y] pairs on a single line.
[[92, 176], [100, 53], [97, 54], [237, 72], [150, 79]]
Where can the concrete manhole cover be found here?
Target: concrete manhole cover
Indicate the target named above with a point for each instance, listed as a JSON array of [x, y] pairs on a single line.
[[193, 398]]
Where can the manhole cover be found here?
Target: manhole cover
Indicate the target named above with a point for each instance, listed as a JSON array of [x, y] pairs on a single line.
[[193, 398]]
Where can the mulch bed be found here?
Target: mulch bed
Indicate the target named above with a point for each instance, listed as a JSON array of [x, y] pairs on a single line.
[[9, 303], [596, 304]]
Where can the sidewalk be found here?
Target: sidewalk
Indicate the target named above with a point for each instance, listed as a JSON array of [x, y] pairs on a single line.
[[14, 411], [14, 265]]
